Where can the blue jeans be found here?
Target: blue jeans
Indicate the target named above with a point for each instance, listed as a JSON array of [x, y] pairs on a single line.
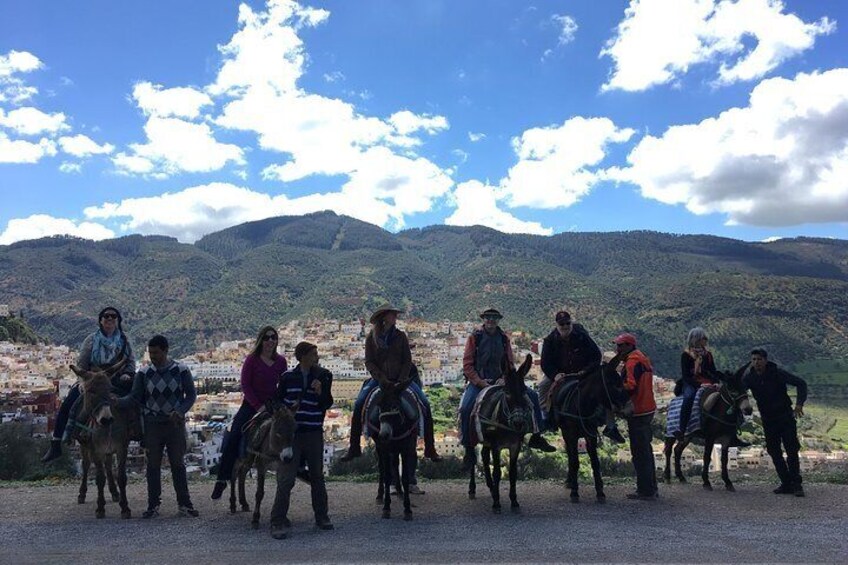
[[371, 384], [688, 395], [469, 397], [232, 441]]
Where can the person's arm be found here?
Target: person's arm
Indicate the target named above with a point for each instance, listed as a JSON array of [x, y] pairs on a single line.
[[549, 367], [801, 386], [371, 360], [136, 395], [326, 398], [708, 367], [125, 375], [632, 374], [246, 380], [189, 392], [468, 363], [84, 357], [405, 359], [687, 369], [510, 356]]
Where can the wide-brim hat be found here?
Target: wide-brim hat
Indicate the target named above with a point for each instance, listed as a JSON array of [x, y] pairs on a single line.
[[382, 311], [491, 312]]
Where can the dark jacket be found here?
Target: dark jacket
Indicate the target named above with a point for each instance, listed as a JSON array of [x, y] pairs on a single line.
[[579, 354], [687, 370], [769, 390], [388, 364], [311, 406]]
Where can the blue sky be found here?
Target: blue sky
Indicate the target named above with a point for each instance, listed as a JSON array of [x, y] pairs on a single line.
[[727, 117]]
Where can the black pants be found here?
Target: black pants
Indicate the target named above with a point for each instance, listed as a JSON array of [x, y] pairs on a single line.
[[65, 412], [232, 441], [639, 429], [311, 446], [784, 431], [157, 437]]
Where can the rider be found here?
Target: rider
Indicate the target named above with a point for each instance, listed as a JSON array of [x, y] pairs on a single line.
[[389, 360], [569, 354], [101, 349], [697, 369], [486, 350]]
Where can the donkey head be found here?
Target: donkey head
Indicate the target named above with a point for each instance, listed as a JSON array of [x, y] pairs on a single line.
[[96, 390], [613, 393], [516, 394], [283, 426], [735, 392]]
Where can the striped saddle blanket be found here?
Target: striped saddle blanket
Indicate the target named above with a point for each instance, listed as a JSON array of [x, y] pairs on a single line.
[[673, 421]]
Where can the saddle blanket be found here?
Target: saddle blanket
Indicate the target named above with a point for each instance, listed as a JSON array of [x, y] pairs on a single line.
[[673, 420], [410, 404], [476, 425]]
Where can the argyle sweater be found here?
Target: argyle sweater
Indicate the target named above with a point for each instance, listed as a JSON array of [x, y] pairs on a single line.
[[161, 391]]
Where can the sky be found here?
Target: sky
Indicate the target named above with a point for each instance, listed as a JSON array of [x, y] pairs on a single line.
[[180, 118]]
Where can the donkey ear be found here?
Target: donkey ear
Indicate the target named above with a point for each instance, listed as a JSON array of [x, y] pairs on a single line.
[[84, 375], [526, 366], [111, 370]]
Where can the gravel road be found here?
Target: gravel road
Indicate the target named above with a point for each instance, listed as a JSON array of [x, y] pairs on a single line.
[[45, 524]]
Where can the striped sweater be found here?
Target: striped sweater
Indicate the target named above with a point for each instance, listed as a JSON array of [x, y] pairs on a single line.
[[310, 412]]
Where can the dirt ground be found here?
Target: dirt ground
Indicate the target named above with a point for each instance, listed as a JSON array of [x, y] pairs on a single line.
[[41, 524]]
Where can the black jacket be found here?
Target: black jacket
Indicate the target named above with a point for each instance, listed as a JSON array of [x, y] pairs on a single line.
[[583, 354], [769, 390]]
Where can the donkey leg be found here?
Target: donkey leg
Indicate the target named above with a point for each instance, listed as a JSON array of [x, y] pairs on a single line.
[[110, 478], [725, 448], [245, 507], [260, 493], [514, 451], [678, 453], [592, 449], [405, 477], [496, 480], [86, 465], [708, 454], [668, 448], [486, 453], [472, 483], [101, 487], [122, 482], [386, 476], [573, 466]]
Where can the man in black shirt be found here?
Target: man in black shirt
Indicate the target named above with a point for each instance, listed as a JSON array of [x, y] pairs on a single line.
[[768, 383]]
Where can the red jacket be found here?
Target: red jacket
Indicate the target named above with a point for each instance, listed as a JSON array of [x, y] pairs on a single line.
[[638, 378]]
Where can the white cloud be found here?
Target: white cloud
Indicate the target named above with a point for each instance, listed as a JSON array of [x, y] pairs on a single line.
[[461, 155], [476, 204], [180, 102], [196, 211], [42, 225], [20, 151], [659, 40], [772, 239], [555, 163], [406, 122], [334, 76], [567, 28], [176, 146], [68, 167], [32, 121], [475, 137], [12, 87], [83, 146], [782, 160]]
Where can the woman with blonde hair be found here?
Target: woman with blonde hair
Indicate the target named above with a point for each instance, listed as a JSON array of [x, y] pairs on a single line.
[[260, 375], [697, 368]]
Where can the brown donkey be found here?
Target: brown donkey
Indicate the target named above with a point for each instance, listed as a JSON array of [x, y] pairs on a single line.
[[268, 441], [103, 432]]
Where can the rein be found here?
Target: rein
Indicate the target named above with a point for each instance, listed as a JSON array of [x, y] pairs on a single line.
[[731, 400]]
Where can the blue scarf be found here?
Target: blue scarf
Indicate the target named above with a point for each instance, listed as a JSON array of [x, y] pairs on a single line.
[[105, 350]]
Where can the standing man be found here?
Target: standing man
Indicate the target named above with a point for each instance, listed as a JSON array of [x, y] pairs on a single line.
[[486, 351], [307, 388], [768, 383], [165, 392], [638, 375], [570, 353]]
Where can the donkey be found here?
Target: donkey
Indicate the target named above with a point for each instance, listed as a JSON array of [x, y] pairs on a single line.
[[720, 412], [268, 441], [105, 434], [505, 415], [393, 422], [578, 409]]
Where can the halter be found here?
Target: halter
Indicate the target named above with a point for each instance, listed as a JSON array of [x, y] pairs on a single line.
[[730, 399], [507, 413]]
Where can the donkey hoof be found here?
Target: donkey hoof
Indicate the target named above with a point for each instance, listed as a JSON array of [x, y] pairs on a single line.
[[126, 514], [682, 479], [708, 486], [254, 525], [407, 516], [472, 496], [515, 507], [730, 487], [232, 509], [600, 498], [245, 507], [667, 479], [81, 499], [100, 513], [496, 508], [387, 514], [575, 498], [379, 499]]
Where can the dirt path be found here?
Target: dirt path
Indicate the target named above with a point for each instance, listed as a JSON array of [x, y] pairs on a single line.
[[44, 524]]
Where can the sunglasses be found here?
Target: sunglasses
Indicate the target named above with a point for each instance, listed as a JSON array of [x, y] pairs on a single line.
[[496, 318], [269, 337], [109, 317], [564, 324]]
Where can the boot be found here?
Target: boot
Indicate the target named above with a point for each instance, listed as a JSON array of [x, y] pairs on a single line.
[[613, 434], [220, 486], [354, 450], [430, 441], [540, 443], [54, 452]]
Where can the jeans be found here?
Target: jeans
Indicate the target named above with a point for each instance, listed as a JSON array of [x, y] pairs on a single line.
[[311, 446], [65, 412], [469, 397], [784, 431], [370, 385], [639, 429], [688, 395], [232, 441], [158, 436]]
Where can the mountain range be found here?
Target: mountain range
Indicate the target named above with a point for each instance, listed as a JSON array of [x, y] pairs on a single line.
[[790, 295]]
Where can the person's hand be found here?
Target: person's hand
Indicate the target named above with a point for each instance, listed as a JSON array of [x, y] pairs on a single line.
[[483, 384], [799, 410], [560, 377], [125, 378], [316, 387], [176, 417]]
